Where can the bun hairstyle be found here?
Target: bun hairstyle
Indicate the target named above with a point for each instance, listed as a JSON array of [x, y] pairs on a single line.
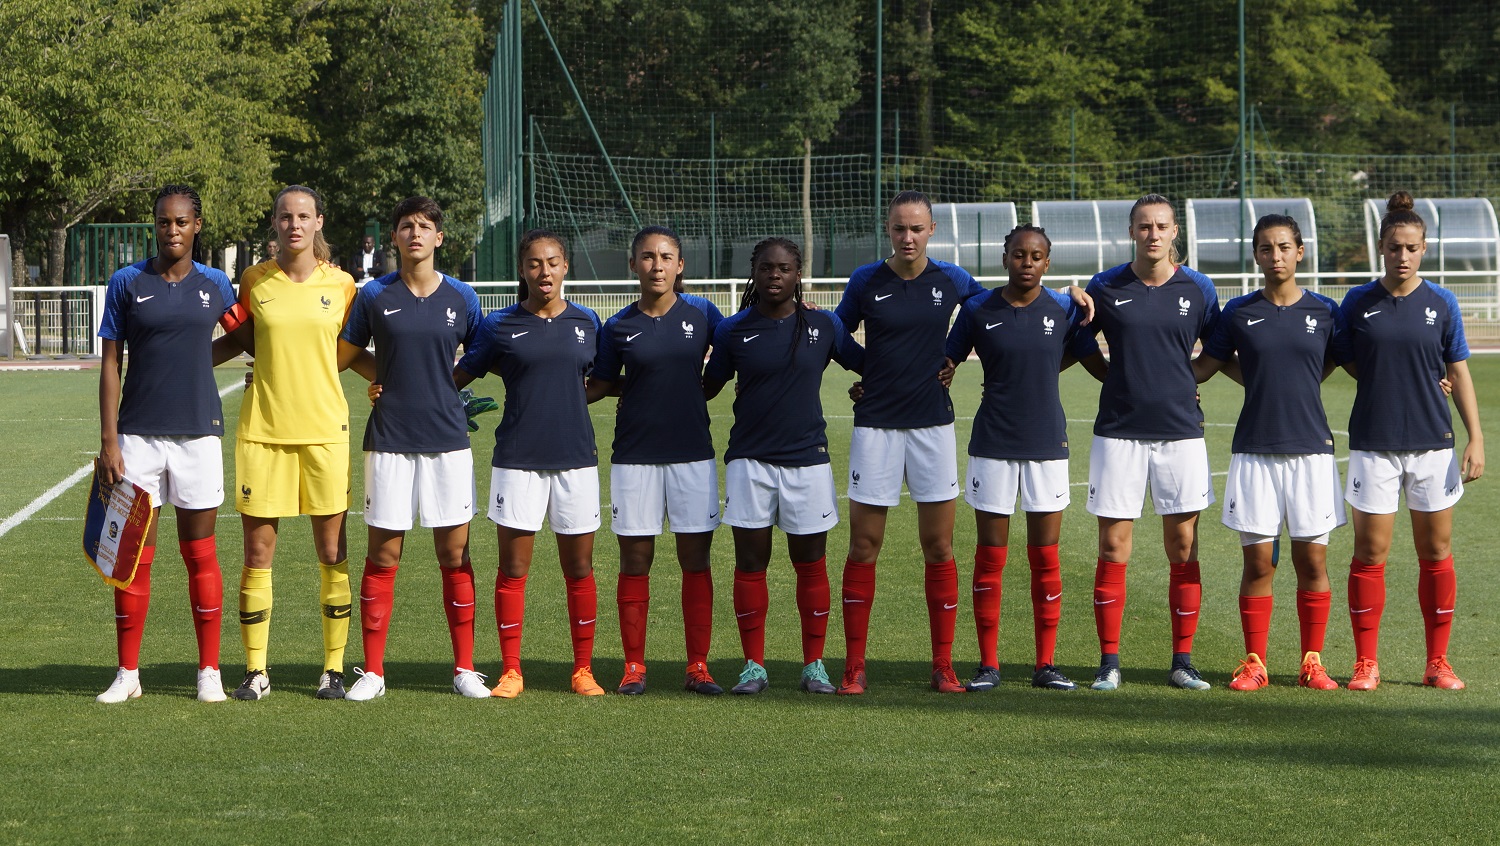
[[907, 198], [185, 191], [321, 250], [665, 232], [1399, 211], [1274, 221], [1158, 200], [531, 237]]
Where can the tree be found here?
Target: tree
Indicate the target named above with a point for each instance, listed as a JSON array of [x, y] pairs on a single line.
[[102, 99], [395, 112]]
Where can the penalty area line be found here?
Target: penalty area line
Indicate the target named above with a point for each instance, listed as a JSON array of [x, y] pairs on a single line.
[[77, 476]]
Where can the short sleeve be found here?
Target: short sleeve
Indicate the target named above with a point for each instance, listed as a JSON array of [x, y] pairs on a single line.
[[607, 363], [478, 356], [849, 310], [475, 313], [1220, 345], [720, 367], [1341, 348], [960, 343], [112, 324], [846, 351], [1455, 345], [357, 325]]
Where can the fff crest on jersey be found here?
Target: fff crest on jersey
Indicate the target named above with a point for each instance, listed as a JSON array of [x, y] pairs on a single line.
[[1183, 304], [452, 316], [687, 329], [579, 332], [1312, 324], [937, 296], [1431, 316], [203, 295], [812, 335]]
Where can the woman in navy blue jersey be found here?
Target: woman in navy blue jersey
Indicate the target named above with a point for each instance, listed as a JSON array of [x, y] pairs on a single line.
[[545, 465], [1149, 430], [1019, 443], [1404, 335], [1282, 469], [663, 463], [163, 430], [777, 467]]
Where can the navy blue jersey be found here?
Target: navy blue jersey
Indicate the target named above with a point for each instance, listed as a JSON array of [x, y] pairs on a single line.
[[778, 415], [663, 418], [1150, 393], [1020, 416], [905, 323], [416, 339], [168, 328], [1282, 353], [1401, 347], [545, 423]]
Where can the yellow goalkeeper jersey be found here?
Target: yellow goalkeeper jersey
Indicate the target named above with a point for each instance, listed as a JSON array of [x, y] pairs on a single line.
[[296, 396]]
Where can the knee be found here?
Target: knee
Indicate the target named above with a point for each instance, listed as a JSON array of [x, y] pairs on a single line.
[[937, 549]]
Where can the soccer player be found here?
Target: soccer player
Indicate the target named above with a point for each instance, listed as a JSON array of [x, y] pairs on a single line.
[[663, 461], [417, 457], [1282, 467], [162, 431], [292, 451], [903, 429], [777, 469], [545, 464], [1149, 430], [1404, 334], [1019, 443]]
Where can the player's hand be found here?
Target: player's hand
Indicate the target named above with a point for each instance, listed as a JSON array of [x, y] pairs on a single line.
[[1446, 385], [373, 392], [1473, 463], [475, 406], [856, 391], [945, 373], [110, 465], [1086, 302]]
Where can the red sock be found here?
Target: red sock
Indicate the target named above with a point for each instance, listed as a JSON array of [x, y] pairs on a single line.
[[510, 612], [1046, 599], [1255, 620], [633, 598], [989, 565], [1366, 605], [812, 605], [377, 596], [1312, 618], [205, 596], [583, 612], [858, 594], [697, 613], [1185, 595], [1109, 604], [942, 608], [458, 606], [1437, 590], [130, 611], [751, 599]]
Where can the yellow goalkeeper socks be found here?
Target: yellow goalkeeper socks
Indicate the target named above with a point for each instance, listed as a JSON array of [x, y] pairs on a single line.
[[255, 615], [334, 594]]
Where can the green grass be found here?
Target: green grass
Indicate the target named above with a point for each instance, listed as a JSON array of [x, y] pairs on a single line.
[[1146, 763]]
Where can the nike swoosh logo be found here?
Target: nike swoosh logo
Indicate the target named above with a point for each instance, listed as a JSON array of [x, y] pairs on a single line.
[[363, 598], [586, 622], [519, 334], [947, 607], [1445, 610], [1186, 613], [1053, 597], [215, 608], [825, 613], [632, 337], [1123, 302], [1105, 602], [826, 513], [713, 515], [122, 616], [1358, 610], [461, 605], [390, 311], [1368, 313], [978, 589], [263, 302], [880, 297], [1253, 322], [751, 338], [746, 614], [852, 601], [1061, 495], [141, 299], [993, 325], [509, 625]]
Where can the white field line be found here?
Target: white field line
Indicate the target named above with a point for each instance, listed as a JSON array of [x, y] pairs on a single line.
[[78, 475]]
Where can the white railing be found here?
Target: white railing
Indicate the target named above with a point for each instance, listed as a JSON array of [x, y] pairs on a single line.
[[65, 320]]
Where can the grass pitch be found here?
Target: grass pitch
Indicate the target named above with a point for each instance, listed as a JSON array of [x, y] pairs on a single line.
[[1144, 764]]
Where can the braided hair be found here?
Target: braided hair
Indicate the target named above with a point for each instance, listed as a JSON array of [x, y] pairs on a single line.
[[1028, 227], [752, 296], [185, 191]]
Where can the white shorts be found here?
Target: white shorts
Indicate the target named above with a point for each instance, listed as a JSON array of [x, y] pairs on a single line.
[[642, 495], [568, 499], [1262, 491], [880, 459], [798, 500], [1121, 468], [186, 471], [1430, 479], [993, 484], [437, 485]]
